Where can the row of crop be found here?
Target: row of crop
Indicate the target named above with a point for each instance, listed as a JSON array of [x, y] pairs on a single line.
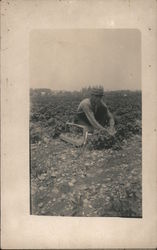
[[51, 117]]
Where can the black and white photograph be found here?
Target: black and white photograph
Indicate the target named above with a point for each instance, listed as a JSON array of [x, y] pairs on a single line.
[[78, 124], [85, 123]]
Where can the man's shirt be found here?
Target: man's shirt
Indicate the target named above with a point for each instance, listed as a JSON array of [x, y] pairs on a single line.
[[91, 114]]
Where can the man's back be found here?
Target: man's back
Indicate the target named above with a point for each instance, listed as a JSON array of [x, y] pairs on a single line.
[[84, 105]]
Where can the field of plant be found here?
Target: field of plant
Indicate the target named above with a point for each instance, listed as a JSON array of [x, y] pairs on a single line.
[[102, 179]]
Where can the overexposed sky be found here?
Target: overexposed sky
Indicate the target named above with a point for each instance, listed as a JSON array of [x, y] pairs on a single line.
[[71, 59]]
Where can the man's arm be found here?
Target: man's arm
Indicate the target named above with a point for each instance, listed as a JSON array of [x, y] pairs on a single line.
[[112, 123]]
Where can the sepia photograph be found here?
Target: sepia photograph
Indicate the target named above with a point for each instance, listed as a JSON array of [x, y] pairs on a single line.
[[79, 124], [85, 123]]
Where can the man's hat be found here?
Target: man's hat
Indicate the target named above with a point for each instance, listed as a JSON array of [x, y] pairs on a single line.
[[97, 91]]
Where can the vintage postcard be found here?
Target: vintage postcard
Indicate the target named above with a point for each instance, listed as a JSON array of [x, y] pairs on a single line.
[[78, 124]]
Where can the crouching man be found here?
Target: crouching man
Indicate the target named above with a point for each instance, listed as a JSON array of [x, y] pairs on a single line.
[[94, 114]]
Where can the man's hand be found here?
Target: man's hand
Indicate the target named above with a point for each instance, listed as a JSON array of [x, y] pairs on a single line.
[[111, 130], [112, 123]]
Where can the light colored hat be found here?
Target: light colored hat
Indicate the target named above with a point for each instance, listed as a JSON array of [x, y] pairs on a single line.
[[97, 91]]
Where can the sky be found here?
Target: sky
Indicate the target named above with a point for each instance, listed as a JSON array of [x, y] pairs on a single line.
[[73, 59]]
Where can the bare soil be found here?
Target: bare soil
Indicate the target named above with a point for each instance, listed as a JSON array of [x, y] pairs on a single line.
[[70, 181]]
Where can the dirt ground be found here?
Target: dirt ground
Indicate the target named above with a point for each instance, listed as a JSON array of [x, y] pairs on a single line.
[[70, 181]]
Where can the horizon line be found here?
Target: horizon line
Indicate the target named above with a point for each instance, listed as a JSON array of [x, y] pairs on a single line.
[[68, 90]]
